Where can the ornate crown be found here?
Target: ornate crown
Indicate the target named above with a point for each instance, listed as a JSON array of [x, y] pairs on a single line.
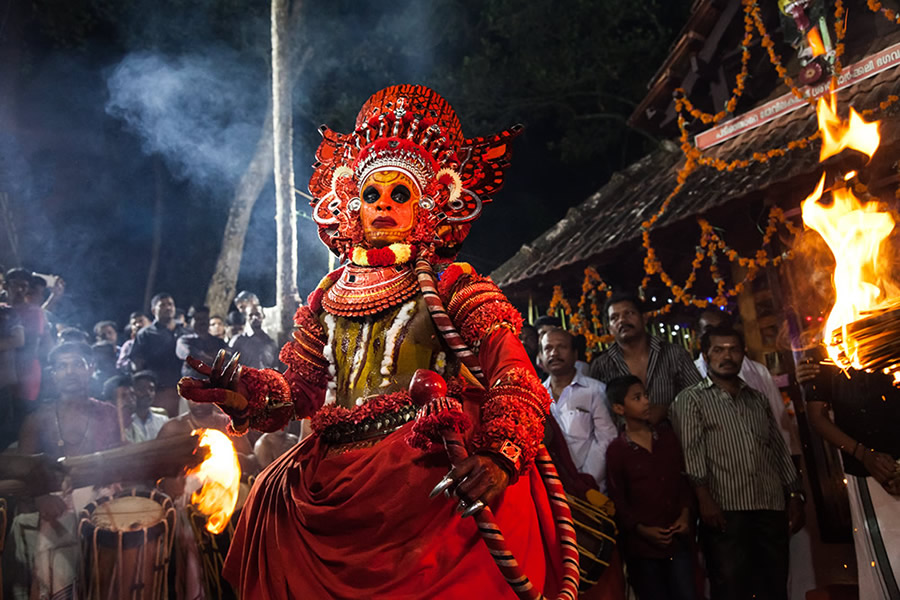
[[413, 129]]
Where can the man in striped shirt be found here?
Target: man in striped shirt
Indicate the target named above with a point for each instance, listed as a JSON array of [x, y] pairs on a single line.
[[664, 368], [748, 490]]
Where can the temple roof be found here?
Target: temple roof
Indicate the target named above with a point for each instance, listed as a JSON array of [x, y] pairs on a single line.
[[612, 216]]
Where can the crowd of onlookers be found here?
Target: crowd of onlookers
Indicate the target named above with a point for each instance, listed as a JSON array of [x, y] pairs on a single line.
[[666, 437], [695, 453], [701, 456], [66, 392], [149, 351]]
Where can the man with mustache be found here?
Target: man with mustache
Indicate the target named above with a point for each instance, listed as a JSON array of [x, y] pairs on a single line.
[[664, 368], [748, 490], [154, 349], [579, 406], [46, 542]]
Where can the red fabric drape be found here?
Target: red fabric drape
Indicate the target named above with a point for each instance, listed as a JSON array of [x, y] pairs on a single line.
[[360, 525]]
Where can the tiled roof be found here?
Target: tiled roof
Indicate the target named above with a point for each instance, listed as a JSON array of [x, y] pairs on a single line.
[[613, 216]]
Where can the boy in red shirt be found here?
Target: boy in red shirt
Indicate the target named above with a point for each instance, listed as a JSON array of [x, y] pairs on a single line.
[[645, 479]]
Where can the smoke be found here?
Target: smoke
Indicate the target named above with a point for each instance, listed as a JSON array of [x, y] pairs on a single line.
[[201, 112]]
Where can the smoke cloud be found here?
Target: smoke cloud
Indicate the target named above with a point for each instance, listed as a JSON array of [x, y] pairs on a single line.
[[201, 112]]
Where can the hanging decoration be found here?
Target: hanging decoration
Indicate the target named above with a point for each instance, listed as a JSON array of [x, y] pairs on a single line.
[[586, 319]]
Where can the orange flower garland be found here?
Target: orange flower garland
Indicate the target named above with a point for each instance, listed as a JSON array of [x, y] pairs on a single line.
[[888, 14], [711, 244]]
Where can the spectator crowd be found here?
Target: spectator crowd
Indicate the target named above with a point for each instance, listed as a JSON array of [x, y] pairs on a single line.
[[67, 392], [693, 457]]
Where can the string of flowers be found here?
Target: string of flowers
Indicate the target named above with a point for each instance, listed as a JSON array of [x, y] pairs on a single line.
[[769, 44], [840, 29], [711, 243], [739, 81], [888, 14]]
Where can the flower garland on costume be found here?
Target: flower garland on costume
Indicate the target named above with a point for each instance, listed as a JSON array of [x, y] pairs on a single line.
[[391, 337], [333, 421], [360, 353], [328, 353], [394, 254]]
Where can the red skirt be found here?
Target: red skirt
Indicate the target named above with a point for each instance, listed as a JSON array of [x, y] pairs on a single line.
[[360, 525]]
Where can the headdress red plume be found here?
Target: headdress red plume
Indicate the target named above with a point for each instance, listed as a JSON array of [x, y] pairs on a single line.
[[413, 129]]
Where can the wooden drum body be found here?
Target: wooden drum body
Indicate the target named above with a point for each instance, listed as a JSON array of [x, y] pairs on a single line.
[[126, 542], [595, 536]]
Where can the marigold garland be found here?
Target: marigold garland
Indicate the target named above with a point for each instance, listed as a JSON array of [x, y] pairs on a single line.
[[887, 13], [711, 244], [394, 254]]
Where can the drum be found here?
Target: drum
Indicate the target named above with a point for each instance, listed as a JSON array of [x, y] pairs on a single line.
[[126, 540], [213, 548], [595, 536]]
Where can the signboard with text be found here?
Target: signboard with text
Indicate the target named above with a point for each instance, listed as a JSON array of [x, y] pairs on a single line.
[[868, 67]]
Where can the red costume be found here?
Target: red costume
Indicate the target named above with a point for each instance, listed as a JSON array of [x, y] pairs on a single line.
[[346, 513]]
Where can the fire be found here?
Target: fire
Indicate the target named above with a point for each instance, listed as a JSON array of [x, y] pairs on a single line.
[[854, 231], [220, 475], [838, 134]]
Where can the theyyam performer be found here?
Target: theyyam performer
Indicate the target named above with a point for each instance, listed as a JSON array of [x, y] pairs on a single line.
[[346, 513]]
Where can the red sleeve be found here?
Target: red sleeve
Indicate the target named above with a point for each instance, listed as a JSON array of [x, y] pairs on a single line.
[[512, 416], [300, 392]]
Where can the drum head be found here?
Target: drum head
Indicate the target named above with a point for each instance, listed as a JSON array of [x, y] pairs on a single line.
[[129, 518], [128, 513]]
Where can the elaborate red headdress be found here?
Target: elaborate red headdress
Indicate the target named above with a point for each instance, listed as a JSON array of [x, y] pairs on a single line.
[[412, 129]]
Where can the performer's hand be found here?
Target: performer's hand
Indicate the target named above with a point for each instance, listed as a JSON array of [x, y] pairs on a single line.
[[50, 507], [796, 515], [479, 477], [222, 386], [40, 473]]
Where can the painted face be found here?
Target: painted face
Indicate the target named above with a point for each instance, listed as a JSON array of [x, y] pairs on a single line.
[[388, 211]]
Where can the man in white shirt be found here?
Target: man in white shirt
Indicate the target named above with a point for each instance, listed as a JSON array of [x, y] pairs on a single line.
[[134, 396], [579, 406]]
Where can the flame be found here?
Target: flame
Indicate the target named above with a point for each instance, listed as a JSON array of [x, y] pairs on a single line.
[[814, 39], [853, 231], [220, 475], [838, 134]]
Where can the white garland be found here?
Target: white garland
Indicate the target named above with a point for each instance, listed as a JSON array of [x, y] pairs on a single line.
[[328, 352], [360, 352], [390, 342]]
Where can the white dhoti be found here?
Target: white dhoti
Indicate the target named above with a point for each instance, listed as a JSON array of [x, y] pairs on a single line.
[[876, 538], [50, 553]]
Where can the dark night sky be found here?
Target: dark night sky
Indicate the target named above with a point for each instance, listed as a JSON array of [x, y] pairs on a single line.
[[101, 114]]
